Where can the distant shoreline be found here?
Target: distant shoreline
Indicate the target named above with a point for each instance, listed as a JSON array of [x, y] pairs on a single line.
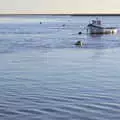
[[60, 14], [95, 14]]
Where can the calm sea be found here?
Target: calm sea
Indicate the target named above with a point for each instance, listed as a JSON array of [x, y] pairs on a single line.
[[44, 76]]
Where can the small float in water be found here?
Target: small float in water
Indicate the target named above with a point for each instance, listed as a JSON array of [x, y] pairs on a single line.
[[97, 28], [79, 43]]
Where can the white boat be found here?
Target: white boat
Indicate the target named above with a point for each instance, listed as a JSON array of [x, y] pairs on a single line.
[[96, 28]]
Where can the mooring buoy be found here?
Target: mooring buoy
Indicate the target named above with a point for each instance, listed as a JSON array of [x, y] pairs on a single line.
[[79, 33], [79, 43]]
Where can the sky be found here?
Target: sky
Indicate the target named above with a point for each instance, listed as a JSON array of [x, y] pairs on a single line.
[[59, 6]]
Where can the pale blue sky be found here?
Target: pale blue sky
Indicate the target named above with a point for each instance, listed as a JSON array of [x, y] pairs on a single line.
[[59, 6]]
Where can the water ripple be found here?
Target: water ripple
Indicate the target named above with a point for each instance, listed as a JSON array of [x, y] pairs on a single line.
[[41, 80]]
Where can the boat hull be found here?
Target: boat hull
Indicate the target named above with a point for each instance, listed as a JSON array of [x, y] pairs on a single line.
[[100, 30]]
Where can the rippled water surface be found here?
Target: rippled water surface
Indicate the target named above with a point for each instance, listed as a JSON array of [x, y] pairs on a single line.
[[44, 76]]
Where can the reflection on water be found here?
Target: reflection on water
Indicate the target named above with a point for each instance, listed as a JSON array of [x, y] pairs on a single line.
[[44, 76]]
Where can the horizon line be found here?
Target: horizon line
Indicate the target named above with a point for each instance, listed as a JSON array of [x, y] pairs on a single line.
[[72, 14]]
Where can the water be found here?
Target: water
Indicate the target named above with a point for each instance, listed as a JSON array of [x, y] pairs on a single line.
[[44, 76]]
